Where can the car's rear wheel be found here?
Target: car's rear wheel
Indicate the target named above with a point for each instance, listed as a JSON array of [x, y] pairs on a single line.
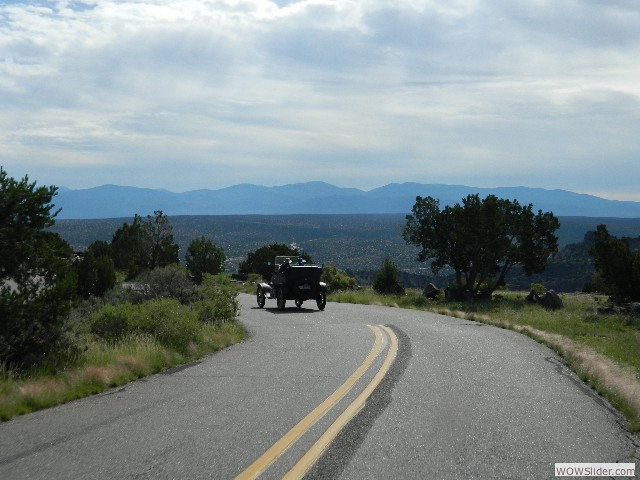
[[321, 300], [281, 299], [260, 297]]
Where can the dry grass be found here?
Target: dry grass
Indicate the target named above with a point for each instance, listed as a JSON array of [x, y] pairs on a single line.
[[609, 378], [103, 366], [37, 389]]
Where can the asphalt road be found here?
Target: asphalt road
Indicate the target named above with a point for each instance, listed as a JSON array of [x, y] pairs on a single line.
[[450, 399]]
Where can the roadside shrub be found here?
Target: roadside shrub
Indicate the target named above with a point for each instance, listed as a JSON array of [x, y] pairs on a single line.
[[169, 322], [206, 312], [171, 281], [112, 322], [486, 289], [415, 300], [172, 324], [220, 303], [337, 279], [538, 289]]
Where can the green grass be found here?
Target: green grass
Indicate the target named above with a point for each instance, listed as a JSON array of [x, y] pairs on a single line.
[[604, 350], [104, 365], [114, 340]]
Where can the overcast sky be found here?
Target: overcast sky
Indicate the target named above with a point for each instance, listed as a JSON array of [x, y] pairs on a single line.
[[188, 94]]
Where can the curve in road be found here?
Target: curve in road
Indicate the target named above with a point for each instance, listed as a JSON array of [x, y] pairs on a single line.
[[461, 400]]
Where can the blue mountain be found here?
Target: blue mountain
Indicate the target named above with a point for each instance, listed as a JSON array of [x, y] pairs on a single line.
[[112, 201]]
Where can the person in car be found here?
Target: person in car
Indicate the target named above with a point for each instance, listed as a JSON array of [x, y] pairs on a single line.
[[285, 265]]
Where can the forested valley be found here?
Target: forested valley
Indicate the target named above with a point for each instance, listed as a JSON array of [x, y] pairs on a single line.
[[358, 244]]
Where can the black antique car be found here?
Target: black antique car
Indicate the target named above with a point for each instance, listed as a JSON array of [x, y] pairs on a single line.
[[293, 279]]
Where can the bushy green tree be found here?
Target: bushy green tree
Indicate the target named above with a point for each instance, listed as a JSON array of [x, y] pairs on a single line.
[[96, 274], [481, 240], [261, 261], [617, 266], [100, 248], [37, 283], [386, 279], [130, 247], [164, 250], [203, 256], [145, 244]]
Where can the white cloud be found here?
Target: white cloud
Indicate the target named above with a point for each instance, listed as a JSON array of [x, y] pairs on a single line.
[[361, 93]]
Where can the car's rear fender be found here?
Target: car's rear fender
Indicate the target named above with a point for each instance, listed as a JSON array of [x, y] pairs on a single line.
[[266, 289]]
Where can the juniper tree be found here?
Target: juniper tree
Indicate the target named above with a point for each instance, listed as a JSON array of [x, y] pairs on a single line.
[[481, 240], [37, 283]]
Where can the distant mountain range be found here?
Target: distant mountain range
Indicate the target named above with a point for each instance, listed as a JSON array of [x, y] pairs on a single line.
[[112, 201]]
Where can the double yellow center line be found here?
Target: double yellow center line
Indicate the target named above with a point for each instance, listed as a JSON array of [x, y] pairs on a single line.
[[316, 450]]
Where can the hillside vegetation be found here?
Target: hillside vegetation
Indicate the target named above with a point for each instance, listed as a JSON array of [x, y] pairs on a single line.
[[127, 335], [357, 244], [69, 325]]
